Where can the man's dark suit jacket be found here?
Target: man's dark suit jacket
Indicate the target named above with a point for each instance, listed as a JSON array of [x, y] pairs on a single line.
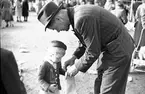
[[10, 79]]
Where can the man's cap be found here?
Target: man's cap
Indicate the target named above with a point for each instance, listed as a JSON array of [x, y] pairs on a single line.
[[59, 44], [48, 12]]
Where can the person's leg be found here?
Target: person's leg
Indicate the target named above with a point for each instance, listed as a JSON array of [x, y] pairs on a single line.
[[17, 19], [114, 78], [7, 23], [0, 19], [20, 19], [117, 58], [98, 81], [26, 18]]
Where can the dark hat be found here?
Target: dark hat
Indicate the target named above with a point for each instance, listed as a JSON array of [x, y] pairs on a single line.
[[48, 12], [59, 44]]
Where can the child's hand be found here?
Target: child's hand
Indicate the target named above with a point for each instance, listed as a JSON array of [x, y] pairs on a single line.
[[53, 88]]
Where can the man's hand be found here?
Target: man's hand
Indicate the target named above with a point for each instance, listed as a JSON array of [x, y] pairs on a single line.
[[70, 62], [53, 88], [71, 71]]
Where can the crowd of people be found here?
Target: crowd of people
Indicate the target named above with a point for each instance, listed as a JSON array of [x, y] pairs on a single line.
[[9, 8]]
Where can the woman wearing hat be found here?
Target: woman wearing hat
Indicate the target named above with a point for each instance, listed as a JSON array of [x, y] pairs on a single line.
[[99, 31]]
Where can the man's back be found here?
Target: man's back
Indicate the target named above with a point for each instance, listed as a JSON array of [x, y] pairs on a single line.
[[101, 21]]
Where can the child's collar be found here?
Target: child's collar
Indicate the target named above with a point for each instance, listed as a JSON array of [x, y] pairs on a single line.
[[49, 60]]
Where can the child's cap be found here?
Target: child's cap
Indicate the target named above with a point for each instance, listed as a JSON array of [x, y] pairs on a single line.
[[59, 44]]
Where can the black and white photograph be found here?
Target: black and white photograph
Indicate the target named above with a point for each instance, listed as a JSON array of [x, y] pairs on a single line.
[[72, 46]]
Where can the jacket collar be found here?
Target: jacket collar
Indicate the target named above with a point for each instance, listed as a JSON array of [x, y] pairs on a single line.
[[70, 12]]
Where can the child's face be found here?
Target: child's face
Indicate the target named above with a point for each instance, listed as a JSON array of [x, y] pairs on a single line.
[[56, 54]]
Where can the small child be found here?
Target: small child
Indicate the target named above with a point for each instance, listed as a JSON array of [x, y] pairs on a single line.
[[49, 71]]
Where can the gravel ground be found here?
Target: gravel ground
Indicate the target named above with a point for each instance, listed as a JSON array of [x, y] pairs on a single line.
[[28, 41]]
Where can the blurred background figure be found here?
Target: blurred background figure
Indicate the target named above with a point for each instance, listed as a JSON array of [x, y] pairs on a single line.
[[72, 3], [38, 5], [100, 3], [120, 11], [18, 9], [140, 24], [97, 2], [89, 1], [6, 12], [0, 14], [25, 10], [81, 2], [58, 2], [133, 7], [109, 5]]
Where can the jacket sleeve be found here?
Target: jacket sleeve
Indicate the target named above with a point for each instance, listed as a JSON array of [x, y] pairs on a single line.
[[79, 51], [61, 71], [88, 27], [41, 73]]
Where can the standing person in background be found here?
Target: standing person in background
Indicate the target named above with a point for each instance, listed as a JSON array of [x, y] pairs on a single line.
[[25, 10], [7, 11], [98, 31], [120, 11], [133, 7], [0, 14], [98, 2], [10, 79], [81, 2], [140, 24], [38, 5], [109, 5], [89, 1], [18, 9]]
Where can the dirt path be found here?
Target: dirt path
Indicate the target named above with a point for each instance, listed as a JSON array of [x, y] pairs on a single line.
[[28, 41]]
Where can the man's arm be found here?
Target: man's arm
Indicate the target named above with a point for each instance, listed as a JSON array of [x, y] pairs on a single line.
[[89, 28], [76, 55], [79, 51]]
